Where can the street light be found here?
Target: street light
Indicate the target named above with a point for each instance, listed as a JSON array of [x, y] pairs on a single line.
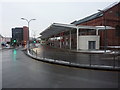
[[28, 21], [105, 35]]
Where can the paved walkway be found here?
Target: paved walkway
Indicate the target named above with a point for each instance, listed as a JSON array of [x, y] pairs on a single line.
[[80, 59]]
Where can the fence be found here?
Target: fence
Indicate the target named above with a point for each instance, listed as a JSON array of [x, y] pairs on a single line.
[[112, 60]]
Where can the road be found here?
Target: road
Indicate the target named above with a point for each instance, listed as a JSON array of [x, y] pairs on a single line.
[[20, 71]]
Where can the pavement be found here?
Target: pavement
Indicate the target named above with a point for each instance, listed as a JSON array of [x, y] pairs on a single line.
[[98, 60], [97, 51], [6, 48]]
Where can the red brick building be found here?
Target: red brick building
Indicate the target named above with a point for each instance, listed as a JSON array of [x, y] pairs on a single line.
[[107, 17], [25, 34]]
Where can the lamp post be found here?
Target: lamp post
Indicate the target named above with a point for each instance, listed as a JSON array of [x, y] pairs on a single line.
[[28, 21], [34, 33], [105, 31]]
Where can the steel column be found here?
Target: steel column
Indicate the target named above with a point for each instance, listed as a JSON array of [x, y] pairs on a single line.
[[70, 39], [77, 37]]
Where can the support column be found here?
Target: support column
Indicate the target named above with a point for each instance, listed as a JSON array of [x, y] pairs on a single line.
[[60, 41], [54, 42], [70, 39], [77, 37]]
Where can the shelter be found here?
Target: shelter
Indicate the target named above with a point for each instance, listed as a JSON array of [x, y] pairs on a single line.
[[72, 36]]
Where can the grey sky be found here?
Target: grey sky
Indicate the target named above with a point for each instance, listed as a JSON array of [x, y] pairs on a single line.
[[45, 14]]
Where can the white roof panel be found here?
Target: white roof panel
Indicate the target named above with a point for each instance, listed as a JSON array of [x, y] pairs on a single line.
[[57, 28]]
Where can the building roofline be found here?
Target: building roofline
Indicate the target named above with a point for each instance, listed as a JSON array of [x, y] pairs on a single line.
[[95, 15]]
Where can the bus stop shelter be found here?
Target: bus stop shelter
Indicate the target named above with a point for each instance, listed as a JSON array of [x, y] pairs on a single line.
[[57, 28]]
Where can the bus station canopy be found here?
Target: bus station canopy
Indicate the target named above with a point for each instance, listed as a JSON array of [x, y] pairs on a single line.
[[57, 28]]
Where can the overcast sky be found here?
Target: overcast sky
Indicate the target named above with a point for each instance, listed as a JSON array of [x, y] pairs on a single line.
[[45, 14]]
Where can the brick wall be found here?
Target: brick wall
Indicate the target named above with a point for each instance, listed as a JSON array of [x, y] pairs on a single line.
[[25, 34], [112, 18]]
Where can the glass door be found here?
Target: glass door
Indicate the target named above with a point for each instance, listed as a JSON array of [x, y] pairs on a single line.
[[91, 44]]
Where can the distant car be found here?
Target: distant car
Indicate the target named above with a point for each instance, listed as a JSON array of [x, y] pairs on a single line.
[[3, 44], [7, 46]]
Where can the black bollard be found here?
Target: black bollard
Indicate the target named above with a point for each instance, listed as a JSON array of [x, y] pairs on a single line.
[[36, 53]]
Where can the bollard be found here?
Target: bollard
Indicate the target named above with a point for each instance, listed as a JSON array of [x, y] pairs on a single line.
[[32, 51], [29, 50], [43, 53], [36, 53]]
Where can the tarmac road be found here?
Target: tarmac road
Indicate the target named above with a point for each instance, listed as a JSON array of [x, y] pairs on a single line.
[[20, 71]]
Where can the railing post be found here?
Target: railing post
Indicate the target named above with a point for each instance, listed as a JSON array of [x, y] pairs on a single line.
[[113, 60], [29, 51], [90, 59]]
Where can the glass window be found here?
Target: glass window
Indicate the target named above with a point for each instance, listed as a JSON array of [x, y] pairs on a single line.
[[117, 28], [118, 14]]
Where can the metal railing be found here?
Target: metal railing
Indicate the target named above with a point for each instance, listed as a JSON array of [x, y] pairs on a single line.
[[105, 60]]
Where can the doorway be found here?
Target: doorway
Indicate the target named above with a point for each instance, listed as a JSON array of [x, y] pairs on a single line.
[[91, 45]]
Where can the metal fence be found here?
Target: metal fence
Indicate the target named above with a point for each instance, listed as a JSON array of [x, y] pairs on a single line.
[[112, 60]]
